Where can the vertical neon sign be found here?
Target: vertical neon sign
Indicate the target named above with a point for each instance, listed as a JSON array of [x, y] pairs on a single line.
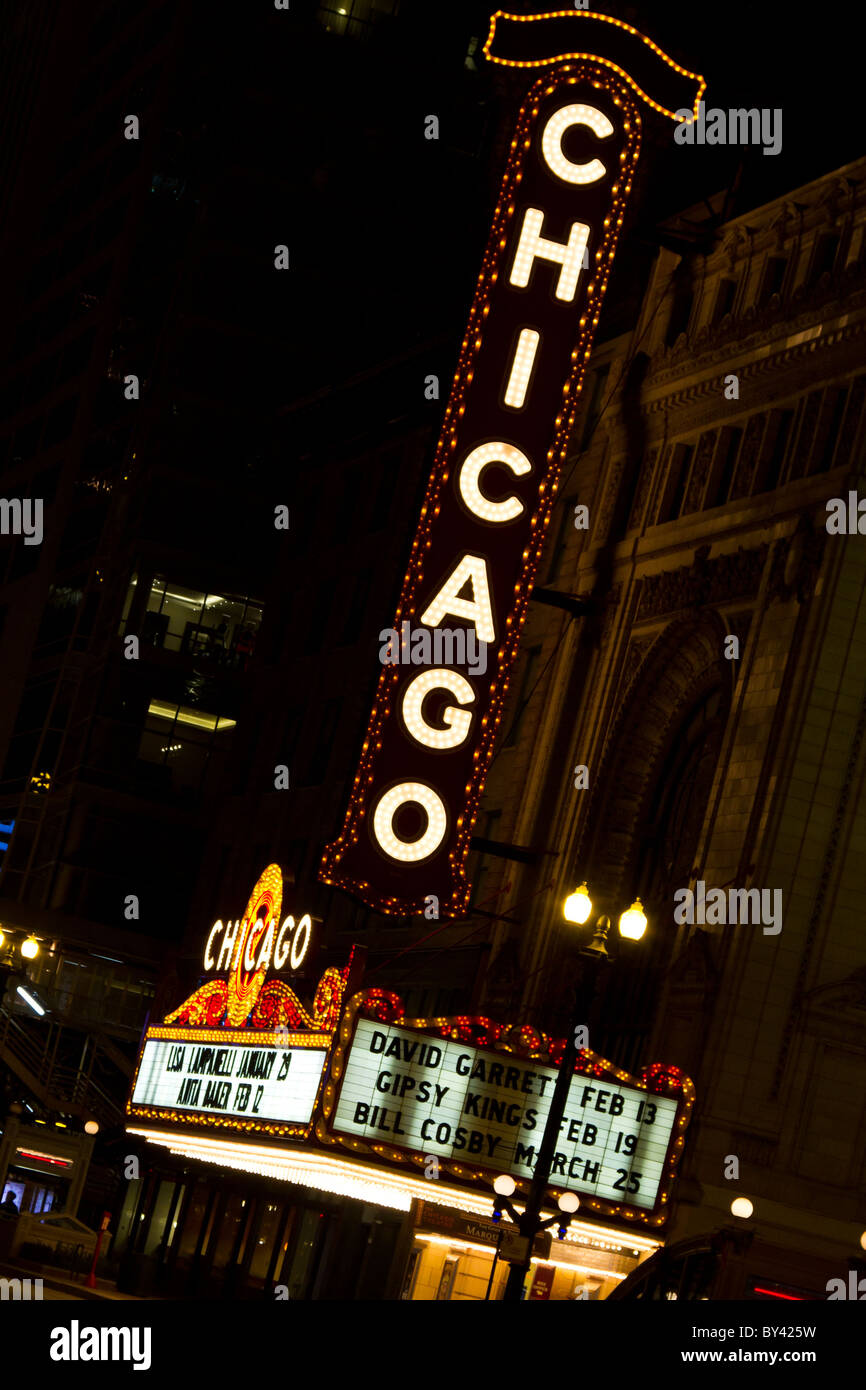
[[568, 178]]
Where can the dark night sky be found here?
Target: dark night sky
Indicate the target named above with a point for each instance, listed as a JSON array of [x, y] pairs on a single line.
[[390, 228]]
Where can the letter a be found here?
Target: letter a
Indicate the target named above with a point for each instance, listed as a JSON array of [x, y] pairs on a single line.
[[684, 911], [837, 524], [471, 569]]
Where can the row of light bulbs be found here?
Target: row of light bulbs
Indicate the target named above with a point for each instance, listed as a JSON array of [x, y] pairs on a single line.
[[29, 948]]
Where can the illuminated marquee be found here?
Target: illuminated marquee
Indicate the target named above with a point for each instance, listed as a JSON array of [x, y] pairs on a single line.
[[512, 406], [248, 950], [244, 1052], [402, 1091], [240, 1079], [369, 1085]]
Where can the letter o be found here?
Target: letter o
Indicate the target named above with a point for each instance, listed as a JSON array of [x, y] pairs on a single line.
[[457, 721], [281, 953], [551, 142], [302, 934], [410, 852]]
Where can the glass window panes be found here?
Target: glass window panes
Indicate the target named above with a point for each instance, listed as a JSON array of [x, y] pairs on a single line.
[[221, 627]]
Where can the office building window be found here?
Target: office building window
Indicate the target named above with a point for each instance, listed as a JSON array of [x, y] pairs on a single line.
[[773, 278], [724, 301], [188, 743], [596, 404], [356, 18], [221, 627], [675, 488]]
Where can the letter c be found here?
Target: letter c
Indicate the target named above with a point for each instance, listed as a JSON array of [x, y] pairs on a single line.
[[470, 472], [424, 1128], [209, 962], [551, 143]]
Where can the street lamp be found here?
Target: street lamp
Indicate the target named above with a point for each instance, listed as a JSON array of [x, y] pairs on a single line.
[[30, 948], [577, 908], [632, 923], [504, 1187]]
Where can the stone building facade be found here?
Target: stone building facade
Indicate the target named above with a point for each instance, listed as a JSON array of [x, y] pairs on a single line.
[[711, 683]]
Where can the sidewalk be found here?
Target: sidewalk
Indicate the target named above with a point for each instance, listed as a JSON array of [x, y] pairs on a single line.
[[61, 1282]]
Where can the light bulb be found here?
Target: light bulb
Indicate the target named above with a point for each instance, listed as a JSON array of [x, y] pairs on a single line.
[[577, 906], [632, 923]]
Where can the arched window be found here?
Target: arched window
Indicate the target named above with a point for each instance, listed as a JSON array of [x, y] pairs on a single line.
[[663, 857]]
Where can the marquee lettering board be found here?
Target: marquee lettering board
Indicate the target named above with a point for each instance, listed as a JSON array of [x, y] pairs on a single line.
[[250, 1081], [403, 1091]]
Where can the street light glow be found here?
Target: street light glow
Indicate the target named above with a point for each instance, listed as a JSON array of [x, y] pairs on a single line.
[[30, 948], [742, 1207], [632, 923], [569, 1201], [504, 1185], [578, 906]]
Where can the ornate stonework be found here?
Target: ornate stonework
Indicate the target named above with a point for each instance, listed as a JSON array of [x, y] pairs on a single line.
[[731, 576]]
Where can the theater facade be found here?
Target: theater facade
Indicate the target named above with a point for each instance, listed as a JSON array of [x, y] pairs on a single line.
[[337, 1149]]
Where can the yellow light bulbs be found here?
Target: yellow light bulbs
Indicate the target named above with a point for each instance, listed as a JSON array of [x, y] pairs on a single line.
[[533, 246], [410, 851], [457, 721], [632, 923], [473, 466], [521, 370], [577, 906], [551, 142]]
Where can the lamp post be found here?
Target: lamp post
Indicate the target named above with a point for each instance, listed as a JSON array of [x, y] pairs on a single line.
[[632, 924]]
